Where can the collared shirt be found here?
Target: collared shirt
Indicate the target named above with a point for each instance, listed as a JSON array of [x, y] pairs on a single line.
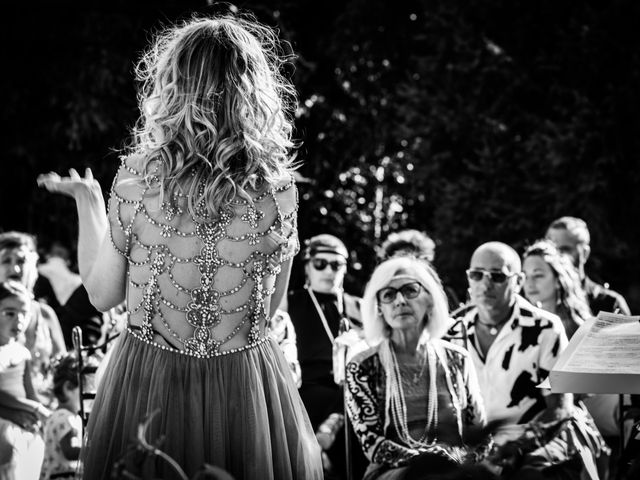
[[520, 357]]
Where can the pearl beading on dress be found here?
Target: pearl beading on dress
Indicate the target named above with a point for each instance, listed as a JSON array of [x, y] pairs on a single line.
[[203, 311], [190, 354]]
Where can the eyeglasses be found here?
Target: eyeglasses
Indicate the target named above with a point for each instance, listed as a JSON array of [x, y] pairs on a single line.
[[321, 264], [476, 275], [408, 291]]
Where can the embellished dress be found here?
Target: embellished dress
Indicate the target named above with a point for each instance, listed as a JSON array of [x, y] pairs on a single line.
[[196, 348], [459, 407]]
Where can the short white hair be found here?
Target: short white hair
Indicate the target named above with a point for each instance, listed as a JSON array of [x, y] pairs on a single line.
[[375, 328]]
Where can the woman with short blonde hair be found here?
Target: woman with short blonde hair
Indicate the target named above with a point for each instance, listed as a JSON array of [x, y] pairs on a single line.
[[411, 393], [375, 329]]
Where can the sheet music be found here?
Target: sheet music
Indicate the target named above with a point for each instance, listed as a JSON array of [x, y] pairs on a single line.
[[612, 345]]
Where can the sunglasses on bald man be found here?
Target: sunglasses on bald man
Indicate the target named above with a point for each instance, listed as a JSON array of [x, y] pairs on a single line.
[[320, 264], [477, 274]]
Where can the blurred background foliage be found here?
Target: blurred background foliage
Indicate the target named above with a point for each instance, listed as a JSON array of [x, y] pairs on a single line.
[[472, 120]]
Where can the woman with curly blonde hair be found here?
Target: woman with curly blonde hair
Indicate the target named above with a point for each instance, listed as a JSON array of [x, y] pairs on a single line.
[[199, 238]]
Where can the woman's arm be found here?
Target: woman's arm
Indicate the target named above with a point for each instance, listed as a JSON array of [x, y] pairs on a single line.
[[280, 288], [10, 401], [285, 239], [55, 331], [474, 414], [363, 409], [27, 382], [474, 418], [101, 266], [32, 402]]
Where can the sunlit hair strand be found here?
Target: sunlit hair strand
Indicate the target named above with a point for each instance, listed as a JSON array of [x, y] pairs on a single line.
[[216, 112]]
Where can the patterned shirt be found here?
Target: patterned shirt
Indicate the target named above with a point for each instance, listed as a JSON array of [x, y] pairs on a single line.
[[366, 382], [520, 358], [59, 424]]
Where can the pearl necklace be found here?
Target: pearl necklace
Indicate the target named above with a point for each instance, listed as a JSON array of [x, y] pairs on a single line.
[[396, 399]]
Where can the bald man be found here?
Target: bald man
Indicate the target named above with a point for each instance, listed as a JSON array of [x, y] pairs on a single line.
[[513, 344]]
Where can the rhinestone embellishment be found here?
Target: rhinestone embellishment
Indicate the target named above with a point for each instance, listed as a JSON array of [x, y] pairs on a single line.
[[159, 292]]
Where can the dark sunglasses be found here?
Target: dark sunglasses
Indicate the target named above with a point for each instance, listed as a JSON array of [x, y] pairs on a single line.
[[476, 275], [321, 264], [408, 291]]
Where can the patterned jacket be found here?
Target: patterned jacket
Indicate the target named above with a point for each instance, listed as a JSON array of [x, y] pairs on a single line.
[[366, 381]]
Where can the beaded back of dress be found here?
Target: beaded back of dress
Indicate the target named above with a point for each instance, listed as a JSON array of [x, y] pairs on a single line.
[[201, 287]]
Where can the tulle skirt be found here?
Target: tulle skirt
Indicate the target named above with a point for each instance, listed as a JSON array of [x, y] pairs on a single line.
[[240, 412]]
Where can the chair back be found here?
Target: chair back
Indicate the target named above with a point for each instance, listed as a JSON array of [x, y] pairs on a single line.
[[86, 371]]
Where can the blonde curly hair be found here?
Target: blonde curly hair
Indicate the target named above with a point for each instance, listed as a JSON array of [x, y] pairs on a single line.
[[216, 112]]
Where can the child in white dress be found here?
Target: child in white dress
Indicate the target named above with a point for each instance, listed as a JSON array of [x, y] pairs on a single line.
[[21, 445]]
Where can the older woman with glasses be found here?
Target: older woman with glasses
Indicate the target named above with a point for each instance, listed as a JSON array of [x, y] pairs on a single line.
[[411, 393]]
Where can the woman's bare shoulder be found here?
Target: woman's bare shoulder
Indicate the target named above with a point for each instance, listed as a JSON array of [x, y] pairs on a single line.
[[286, 193], [128, 182], [285, 183], [132, 165]]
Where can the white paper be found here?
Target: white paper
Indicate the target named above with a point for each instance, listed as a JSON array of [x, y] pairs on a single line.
[[612, 345]]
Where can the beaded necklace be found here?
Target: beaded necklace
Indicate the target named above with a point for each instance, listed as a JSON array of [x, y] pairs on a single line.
[[396, 397]]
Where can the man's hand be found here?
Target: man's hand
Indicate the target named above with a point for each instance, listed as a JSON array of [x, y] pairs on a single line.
[[559, 406]]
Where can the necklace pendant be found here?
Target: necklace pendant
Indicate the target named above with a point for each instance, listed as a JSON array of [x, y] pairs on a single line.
[[493, 331]]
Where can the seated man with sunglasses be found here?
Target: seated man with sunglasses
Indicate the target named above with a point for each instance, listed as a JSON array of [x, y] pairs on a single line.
[[514, 345], [320, 312]]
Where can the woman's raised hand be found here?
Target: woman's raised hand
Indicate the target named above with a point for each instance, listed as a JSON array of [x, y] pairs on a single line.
[[73, 185]]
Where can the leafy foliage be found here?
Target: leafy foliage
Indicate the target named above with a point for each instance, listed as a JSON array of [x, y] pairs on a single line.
[[471, 119]]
